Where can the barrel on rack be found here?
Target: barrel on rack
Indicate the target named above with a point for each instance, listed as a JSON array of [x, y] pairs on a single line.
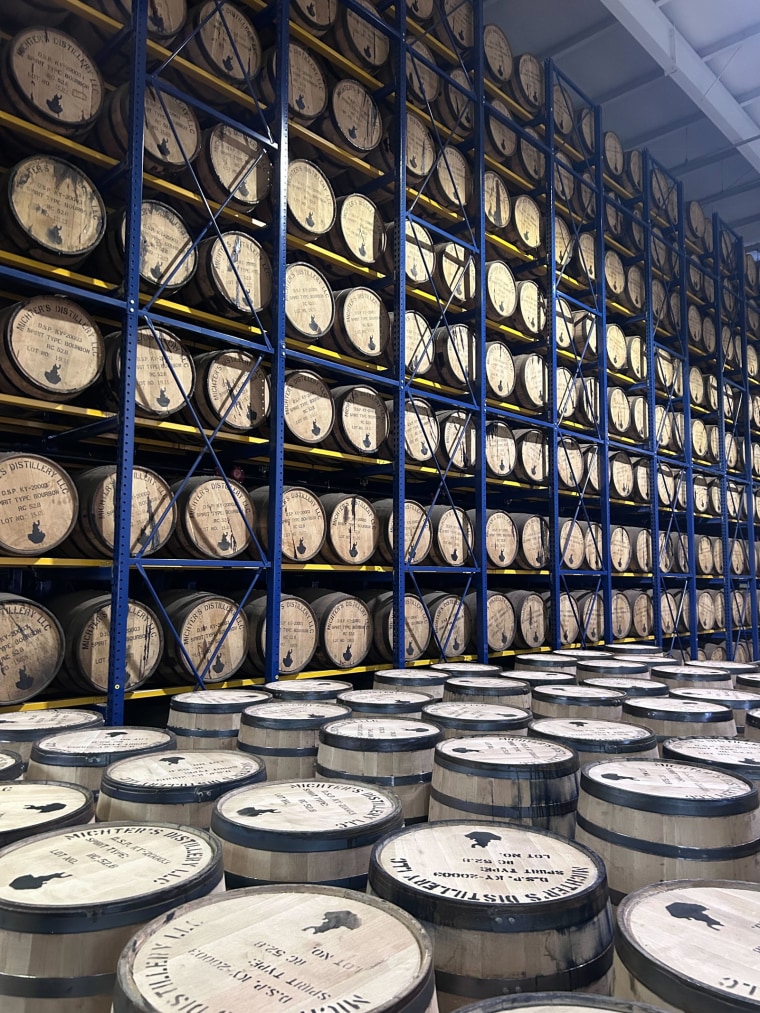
[[233, 168], [417, 627], [298, 633], [655, 820], [351, 531], [453, 535], [232, 389], [223, 43], [418, 532], [213, 633], [362, 325], [40, 504], [283, 734], [309, 411], [177, 787], [458, 445], [500, 620], [345, 627], [451, 620], [390, 753], [164, 372], [233, 277], [210, 720], [531, 455], [303, 522], [214, 518], [110, 877], [32, 644], [168, 258], [530, 618], [505, 778], [533, 540], [51, 349], [86, 619], [493, 943]]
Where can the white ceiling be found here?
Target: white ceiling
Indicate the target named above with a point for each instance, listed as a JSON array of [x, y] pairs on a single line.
[[679, 77]]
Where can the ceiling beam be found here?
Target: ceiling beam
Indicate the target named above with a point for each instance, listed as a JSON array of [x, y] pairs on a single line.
[[730, 191], [748, 96], [641, 140], [740, 223], [624, 90], [729, 41], [580, 39], [662, 41], [694, 164]]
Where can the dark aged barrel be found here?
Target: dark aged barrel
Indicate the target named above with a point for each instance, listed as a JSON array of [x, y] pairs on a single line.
[[232, 388], [505, 778], [171, 132], [36, 807], [345, 627], [213, 633], [50, 81], [177, 787], [309, 304], [309, 412], [654, 820], [362, 325], [596, 739], [233, 168], [224, 43], [31, 651], [39, 502], [384, 702], [19, 731], [52, 211], [234, 277], [298, 633], [80, 757], [418, 533], [389, 970], [167, 256], [392, 753], [91, 888], [214, 518], [52, 349], [352, 529], [283, 734], [86, 618], [303, 522], [417, 629], [318, 832], [164, 373], [716, 972], [491, 942], [210, 719], [153, 512]]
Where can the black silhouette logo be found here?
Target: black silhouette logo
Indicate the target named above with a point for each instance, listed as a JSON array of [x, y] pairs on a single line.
[[154, 16], [218, 665], [335, 920], [693, 912], [287, 661], [252, 811], [224, 544], [409, 649], [54, 235], [54, 104], [52, 375], [353, 551], [316, 430], [227, 63], [51, 807], [300, 548], [310, 220], [163, 400], [156, 271], [171, 761], [456, 645], [366, 442], [300, 104], [352, 133], [371, 343], [163, 147], [116, 735], [368, 52], [578, 724], [313, 325], [502, 557], [463, 749], [481, 838], [29, 882], [24, 681], [347, 654], [617, 777], [243, 189], [311, 9]]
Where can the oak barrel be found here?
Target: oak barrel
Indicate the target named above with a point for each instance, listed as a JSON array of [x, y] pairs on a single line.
[[210, 719], [309, 412], [499, 620], [213, 634], [234, 168], [419, 680], [462, 719], [735, 756], [418, 532], [345, 627], [91, 888], [207, 952], [453, 534], [596, 739], [167, 256], [223, 42], [176, 787], [362, 325], [654, 820], [11, 765], [19, 731], [164, 372], [233, 277], [581, 702], [298, 633], [32, 646], [283, 734], [417, 627], [739, 700], [303, 522], [384, 702], [317, 832], [493, 689], [491, 941], [30, 808], [231, 388], [451, 620], [308, 689], [309, 304], [215, 518], [530, 618], [505, 777], [352, 529], [311, 200], [667, 716], [40, 504], [391, 753]]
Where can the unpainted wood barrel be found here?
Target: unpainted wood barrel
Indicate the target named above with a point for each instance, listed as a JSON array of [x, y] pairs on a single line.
[[39, 502], [468, 668], [530, 618], [307, 689], [594, 739], [233, 168], [283, 734], [421, 430], [214, 517], [85, 618], [687, 676], [19, 731], [451, 620], [91, 888], [175, 787], [168, 258], [11, 765], [591, 703], [52, 349], [695, 974], [391, 965], [210, 720], [493, 689], [628, 685], [362, 325], [418, 532], [735, 756], [384, 702], [492, 942], [222, 42], [453, 535], [303, 522], [317, 832], [739, 700], [597, 664], [451, 184], [668, 717], [164, 372], [417, 627], [298, 633], [213, 632], [233, 277], [32, 644], [505, 778], [352, 529], [352, 122], [500, 620], [462, 719], [391, 753], [80, 757], [30, 808], [345, 627], [497, 51], [546, 661], [645, 818], [309, 411], [420, 680], [231, 388]]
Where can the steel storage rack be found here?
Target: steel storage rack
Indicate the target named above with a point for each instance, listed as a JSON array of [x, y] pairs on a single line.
[[442, 416]]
